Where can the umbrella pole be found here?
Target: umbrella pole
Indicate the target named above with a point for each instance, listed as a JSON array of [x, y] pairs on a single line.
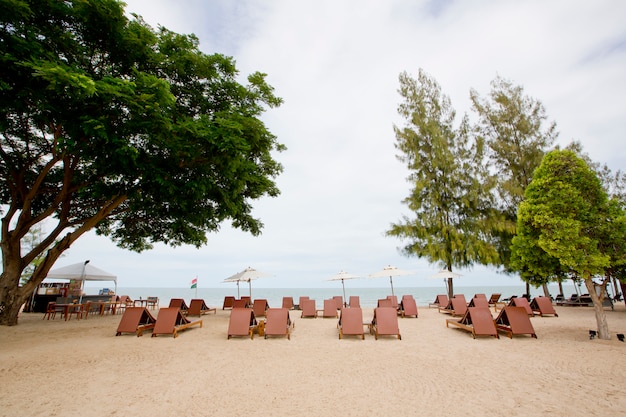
[[238, 296], [391, 282], [250, 288], [344, 291]]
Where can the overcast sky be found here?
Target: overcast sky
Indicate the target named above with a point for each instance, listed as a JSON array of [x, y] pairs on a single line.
[[336, 65]]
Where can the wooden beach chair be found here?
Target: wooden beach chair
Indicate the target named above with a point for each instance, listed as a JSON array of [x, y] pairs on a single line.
[[301, 300], [180, 304], [355, 301], [478, 302], [441, 300], [242, 322], [385, 322], [197, 307], [229, 302], [247, 299], [543, 306], [308, 308], [136, 320], [457, 306], [330, 308], [384, 302], [514, 320], [494, 298], [171, 321], [259, 307], [408, 306], [351, 322], [522, 302], [241, 303], [288, 303], [394, 301], [277, 322], [476, 320], [338, 302]]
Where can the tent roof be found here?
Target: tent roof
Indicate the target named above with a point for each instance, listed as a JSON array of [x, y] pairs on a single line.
[[81, 272]]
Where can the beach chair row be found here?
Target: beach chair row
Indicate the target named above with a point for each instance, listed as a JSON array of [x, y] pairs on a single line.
[[170, 320], [458, 305], [512, 320]]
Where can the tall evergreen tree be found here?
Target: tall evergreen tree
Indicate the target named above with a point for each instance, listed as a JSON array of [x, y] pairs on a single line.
[[450, 186]]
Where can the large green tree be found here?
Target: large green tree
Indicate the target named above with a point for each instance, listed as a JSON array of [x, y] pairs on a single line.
[[566, 216], [450, 186], [109, 124], [517, 134]]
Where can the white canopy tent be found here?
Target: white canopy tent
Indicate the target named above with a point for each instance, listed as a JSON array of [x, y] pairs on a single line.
[[82, 272]]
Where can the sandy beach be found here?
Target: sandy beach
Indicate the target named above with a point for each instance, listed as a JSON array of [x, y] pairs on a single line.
[[80, 368]]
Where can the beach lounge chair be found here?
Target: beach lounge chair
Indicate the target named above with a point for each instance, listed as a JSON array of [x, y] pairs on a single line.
[[229, 301], [476, 320], [513, 321], [277, 322], [441, 300], [241, 323], [394, 301], [478, 302], [241, 303], [457, 306], [351, 322], [355, 301], [171, 321], [300, 301], [339, 301], [522, 302], [247, 299], [259, 307], [136, 320], [308, 308], [494, 298], [385, 322], [180, 304], [288, 303], [330, 308], [124, 301], [479, 295], [384, 302], [408, 306], [197, 307], [543, 306]]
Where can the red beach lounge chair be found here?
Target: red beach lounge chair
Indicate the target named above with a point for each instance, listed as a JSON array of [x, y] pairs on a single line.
[[478, 302], [351, 322], [457, 306], [308, 308], [229, 301], [330, 308], [135, 320], [259, 307], [543, 306], [385, 322], [180, 304], [242, 322], [441, 300], [514, 320], [277, 322], [522, 302], [478, 321], [171, 321], [408, 307], [288, 303], [197, 307]]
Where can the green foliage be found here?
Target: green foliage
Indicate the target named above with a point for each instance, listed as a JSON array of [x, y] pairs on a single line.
[[563, 218], [109, 124], [450, 186]]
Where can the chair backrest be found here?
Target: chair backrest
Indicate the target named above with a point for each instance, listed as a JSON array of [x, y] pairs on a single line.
[[355, 301], [494, 298], [241, 319], [351, 320], [384, 302], [516, 319], [247, 299], [479, 302], [459, 305], [386, 321], [338, 301], [409, 306], [308, 308], [301, 299], [240, 304], [178, 303], [441, 300], [394, 300], [277, 322], [288, 303], [229, 301], [133, 317], [522, 302], [330, 308], [543, 305], [482, 321], [259, 307]]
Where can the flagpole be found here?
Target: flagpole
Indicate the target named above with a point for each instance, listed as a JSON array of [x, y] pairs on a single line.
[[196, 286]]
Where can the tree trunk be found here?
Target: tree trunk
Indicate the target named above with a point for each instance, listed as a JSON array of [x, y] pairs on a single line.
[[12, 298], [546, 291], [450, 289], [603, 326]]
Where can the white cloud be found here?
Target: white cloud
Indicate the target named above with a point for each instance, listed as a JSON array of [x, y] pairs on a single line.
[[336, 64]]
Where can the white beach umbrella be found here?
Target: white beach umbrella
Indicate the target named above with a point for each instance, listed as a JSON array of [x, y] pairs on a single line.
[[390, 271], [341, 276], [247, 275], [447, 277]]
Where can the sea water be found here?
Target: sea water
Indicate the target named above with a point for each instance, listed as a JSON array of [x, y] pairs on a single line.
[[214, 297]]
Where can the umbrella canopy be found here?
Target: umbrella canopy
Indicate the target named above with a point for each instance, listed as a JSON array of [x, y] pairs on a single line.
[[247, 275], [82, 271], [341, 276], [447, 277], [390, 271]]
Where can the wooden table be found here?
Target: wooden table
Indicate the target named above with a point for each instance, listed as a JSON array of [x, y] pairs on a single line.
[[68, 307]]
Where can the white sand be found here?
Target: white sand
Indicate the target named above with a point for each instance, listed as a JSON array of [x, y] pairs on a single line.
[[79, 368]]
